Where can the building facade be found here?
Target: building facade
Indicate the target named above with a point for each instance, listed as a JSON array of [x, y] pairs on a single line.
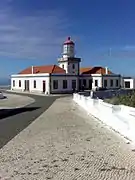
[[65, 76], [128, 82]]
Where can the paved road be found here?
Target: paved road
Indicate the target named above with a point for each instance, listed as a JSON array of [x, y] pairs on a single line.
[[13, 101], [14, 121], [64, 143]]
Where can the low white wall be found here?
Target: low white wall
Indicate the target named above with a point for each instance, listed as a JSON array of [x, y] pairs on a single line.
[[119, 117]]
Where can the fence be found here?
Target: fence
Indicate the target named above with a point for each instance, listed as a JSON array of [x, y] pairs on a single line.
[[119, 117]]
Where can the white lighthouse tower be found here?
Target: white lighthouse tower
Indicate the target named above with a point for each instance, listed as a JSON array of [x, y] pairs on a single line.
[[68, 61], [68, 48]]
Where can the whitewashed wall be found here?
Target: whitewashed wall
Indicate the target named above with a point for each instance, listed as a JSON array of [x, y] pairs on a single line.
[[119, 117], [97, 77], [65, 64], [101, 79], [60, 83], [132, 82], [87, 78], [71, 70], [39, 83], [45, 77], [69, 67], [114, 78]]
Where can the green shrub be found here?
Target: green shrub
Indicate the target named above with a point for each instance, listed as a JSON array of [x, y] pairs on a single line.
[[128, 100]]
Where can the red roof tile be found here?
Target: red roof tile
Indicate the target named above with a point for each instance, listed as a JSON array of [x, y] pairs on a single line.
[[85, 70], [94, 70], [54, 69], [43, 69]]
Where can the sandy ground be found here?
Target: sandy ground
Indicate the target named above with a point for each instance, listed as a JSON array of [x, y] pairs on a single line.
[[13, 100], [64, 143]]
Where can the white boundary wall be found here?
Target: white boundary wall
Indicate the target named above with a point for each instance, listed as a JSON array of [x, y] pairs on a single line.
[[119, 117]]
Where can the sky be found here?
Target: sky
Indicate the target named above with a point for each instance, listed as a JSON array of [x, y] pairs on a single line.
[[32, 33]]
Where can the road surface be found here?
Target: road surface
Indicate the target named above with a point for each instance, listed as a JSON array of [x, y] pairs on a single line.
[[13, 101], [15, 120], [64, 143]]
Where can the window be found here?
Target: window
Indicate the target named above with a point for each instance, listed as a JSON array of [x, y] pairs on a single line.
[[127, 84], [64, 84], [55, 84], [65, 48], [63, 66], [117, 83], [105, 83], [19, 83], [34, 83], [68, 49], [111, 82], [96, 82], [84, 82], [13, 83], [73, 66], [73, 84]]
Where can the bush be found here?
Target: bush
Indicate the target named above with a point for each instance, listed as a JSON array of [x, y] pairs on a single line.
[[128, 100]]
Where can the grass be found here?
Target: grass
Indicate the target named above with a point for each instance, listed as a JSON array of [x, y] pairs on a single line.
[[127, 100]]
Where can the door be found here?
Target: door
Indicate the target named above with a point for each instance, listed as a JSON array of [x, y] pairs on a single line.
[[44, 86], [127, 84], [26, 85], [73, 84], [90, 84]]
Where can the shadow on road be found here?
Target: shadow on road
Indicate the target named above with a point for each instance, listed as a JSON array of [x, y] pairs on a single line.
[[4, 113], [3, 97], [13, 121]]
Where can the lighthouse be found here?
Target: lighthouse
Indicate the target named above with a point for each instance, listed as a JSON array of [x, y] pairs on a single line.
[[68, 61], [68, 48]]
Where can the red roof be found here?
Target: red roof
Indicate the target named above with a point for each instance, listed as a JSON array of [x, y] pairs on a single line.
[[54, 69], [94, 70], [68, 41]]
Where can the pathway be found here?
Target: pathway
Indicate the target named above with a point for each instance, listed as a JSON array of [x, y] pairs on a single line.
[[65, 144]]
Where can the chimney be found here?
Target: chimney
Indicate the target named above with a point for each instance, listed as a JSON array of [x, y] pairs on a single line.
[[32, 69], [106, 70]]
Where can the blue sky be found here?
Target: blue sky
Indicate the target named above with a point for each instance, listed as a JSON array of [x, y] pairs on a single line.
[[32, 33]]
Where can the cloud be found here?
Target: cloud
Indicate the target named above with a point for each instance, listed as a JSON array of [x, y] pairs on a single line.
[[38, 35], [129, 47]]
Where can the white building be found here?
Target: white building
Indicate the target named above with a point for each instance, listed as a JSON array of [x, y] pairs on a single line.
[[128, 83], [65, 76]]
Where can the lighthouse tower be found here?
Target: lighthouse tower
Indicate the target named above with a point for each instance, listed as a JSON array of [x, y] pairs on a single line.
[[68, 61]]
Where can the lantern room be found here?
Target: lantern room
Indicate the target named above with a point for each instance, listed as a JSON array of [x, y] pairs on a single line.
[[68, 48]]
